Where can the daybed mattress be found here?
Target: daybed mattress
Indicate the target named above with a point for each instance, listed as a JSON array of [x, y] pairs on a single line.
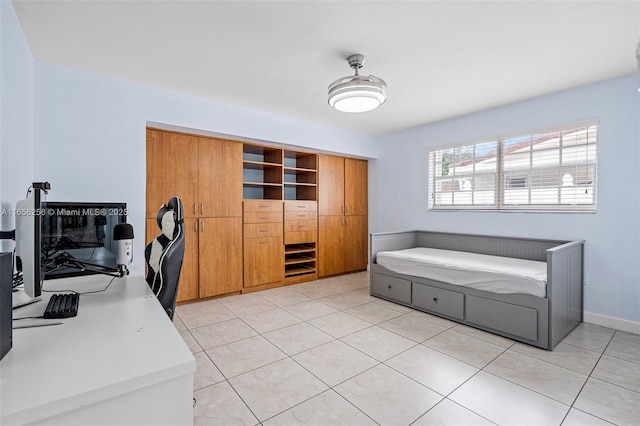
[[495, 274]]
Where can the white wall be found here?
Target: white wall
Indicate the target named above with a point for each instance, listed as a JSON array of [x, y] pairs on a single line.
[[90, 135], [84, 133], [16, 115], [398, 187]]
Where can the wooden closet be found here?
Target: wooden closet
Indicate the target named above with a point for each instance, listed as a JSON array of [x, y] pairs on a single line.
[[207, 175], [343, 220], [257, 216]]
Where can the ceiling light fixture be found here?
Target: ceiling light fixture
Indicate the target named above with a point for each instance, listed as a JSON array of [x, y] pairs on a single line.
[[357, 93]]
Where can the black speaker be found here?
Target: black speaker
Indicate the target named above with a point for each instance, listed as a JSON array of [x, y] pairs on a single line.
[[6, 315]]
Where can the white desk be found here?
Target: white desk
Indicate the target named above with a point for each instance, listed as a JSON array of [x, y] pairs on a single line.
[[119, 361]]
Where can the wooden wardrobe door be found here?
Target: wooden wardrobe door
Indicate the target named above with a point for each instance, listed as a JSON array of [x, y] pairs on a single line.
[[330, 185], [355, 187], [172, 169], [220, 256], [220, 178], [356, 243], [330, 245], [188, 289]]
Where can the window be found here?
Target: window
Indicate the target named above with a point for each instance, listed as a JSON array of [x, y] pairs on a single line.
[[546, 171]]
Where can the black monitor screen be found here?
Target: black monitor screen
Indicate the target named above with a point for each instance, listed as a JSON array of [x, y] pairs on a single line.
[[83, 234]]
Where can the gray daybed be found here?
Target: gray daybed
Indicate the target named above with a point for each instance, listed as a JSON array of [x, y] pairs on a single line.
[[541, 320]]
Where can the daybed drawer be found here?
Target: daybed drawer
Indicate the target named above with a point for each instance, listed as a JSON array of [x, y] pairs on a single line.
[[505, 317], [445, 302], [391, 288]]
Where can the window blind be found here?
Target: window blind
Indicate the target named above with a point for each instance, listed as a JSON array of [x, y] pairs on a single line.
[[542, 171]]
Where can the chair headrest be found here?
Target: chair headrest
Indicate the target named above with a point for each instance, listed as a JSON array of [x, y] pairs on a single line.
[[170, 217]]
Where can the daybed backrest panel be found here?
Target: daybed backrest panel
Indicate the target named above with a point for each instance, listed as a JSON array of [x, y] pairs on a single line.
[[495, 246], [391, 241]]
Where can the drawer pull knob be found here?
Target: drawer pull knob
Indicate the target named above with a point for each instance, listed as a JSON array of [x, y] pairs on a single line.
[[389, 286], [302, 207], [435, 299], [264, 217], [264, 230], [302, 226]]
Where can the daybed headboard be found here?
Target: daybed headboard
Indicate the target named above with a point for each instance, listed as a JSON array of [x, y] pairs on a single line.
[[521, 248]]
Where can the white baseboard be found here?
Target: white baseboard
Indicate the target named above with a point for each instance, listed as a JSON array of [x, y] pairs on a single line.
[[611, 322]]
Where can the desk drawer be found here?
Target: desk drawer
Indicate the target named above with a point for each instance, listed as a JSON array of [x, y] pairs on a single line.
[[297, 206], [262, 206], [300, 225], [262, 217], [259, 230], [391, 288], [445, 302], [301, 215]]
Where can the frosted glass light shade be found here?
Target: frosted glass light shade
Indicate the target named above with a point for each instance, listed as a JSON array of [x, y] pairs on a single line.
[[357, 93]]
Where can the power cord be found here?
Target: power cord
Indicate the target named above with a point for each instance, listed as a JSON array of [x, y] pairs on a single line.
[[99, 291], [17, 280]]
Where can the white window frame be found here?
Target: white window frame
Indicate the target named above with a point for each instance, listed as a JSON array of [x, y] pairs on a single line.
[[520, 187]]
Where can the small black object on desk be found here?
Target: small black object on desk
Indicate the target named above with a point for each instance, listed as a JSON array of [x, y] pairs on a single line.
[[62, 306]]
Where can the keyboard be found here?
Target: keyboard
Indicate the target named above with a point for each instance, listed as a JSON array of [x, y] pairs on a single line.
[[62, 306]]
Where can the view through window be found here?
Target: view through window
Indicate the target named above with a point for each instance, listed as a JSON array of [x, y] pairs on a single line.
[[542, 171]]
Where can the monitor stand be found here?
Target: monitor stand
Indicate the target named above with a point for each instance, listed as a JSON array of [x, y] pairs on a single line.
[[20, 298]]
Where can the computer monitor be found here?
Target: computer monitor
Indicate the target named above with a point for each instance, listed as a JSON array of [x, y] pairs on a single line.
[[81, 232], [29, 257]]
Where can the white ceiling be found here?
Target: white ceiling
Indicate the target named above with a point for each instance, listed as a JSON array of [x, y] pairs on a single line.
[[440, 59]]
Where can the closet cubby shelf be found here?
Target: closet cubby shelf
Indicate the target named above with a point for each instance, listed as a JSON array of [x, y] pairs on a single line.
[[294, 249], [299, 270], [276, 173]]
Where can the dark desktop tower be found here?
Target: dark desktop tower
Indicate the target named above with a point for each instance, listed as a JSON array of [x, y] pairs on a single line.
[[6, 275]]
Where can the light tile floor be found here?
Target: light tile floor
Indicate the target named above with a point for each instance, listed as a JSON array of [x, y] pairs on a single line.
[[327, 353]]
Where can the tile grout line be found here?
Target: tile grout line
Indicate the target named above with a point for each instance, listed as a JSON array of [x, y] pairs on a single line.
[[414, 345]]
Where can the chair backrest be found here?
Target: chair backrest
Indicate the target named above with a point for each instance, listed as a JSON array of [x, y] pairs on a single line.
[[165, 253]]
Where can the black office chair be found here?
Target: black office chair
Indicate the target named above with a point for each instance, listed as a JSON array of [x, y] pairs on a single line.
[[164, 255]]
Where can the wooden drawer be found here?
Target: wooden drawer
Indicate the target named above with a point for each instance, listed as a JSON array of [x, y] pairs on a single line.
[[300, 237], [262, 217], [300, 215], [262, 206], [258, 230], [445, 302], [296, 206], [263, 261], [300, 225], [391, 288], [504, 317]]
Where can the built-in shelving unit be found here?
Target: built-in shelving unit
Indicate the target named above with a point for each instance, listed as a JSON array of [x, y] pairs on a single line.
[[299, 259], [261, 173], [300, 239], [291, 177], [300, 176]]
